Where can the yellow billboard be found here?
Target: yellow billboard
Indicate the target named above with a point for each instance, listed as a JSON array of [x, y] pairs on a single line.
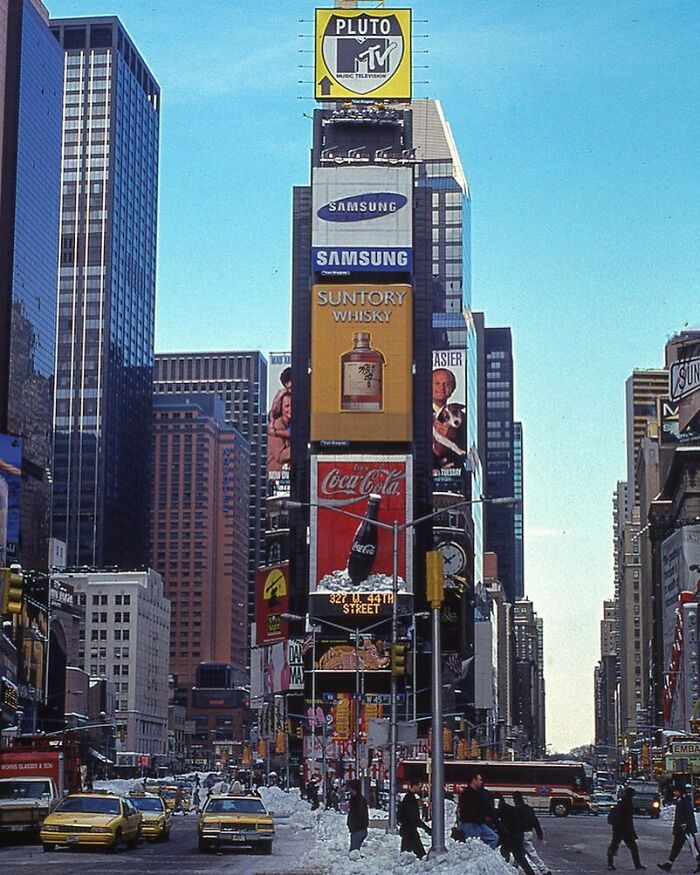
[[363, 54], [361, 363]]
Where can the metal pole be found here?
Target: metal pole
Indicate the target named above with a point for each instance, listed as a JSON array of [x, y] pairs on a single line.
[[415, 681], [323, 764], [313, 700], [357, 704], [437, 777], [392, 828]]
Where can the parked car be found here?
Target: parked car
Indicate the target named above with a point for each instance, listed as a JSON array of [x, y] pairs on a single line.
[[602, 803]]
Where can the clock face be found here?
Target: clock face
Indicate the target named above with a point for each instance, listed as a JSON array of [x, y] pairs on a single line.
[[275, 585], [454, 558]]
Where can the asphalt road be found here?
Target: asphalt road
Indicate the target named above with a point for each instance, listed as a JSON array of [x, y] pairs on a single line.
[[178, 856], [571, 845]]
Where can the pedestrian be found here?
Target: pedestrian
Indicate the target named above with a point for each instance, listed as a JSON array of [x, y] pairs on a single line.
[[473, 810], [532, 827], [332, 798], [302, 786], [312, 794], [513, 835], [358, 816], [621, 818], [196, 801], [683, 827], [236, 788], [409, 818]]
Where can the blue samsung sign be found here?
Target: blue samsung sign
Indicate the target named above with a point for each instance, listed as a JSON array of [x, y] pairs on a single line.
[[362, 207], [344, 260]]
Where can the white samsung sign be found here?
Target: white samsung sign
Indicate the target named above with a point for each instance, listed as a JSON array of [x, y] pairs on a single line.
[[362, 220]]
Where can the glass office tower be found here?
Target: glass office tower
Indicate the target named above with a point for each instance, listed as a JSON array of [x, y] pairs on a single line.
[[31, 83], [106, 300]]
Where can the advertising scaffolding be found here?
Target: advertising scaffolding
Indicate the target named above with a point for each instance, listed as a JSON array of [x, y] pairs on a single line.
[[351, 560], [449, 399], [279, 422]]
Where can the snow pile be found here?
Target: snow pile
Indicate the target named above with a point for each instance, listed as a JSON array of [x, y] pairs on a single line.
[[279, 802], [330, 840], [120, 786], [339, 581]]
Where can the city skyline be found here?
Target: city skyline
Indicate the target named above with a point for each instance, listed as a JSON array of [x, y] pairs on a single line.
[[552, 88]]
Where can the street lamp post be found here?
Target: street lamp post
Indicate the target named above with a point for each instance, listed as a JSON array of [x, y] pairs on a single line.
[[395, 528]]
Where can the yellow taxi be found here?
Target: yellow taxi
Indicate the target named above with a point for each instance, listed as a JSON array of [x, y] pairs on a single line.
[[170, 797], [157, 818], [100, 819], [235, 820]]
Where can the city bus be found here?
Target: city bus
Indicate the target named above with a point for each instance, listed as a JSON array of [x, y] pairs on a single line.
[[559, 788]]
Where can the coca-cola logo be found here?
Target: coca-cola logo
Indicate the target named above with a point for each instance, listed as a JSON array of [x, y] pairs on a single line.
[[364, 549], [384, 481]]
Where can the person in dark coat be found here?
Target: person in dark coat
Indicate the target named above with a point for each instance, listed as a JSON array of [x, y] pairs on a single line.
[[312, 794], [409, 820], [532, 828], [474, 811], [621, 819], [358, 816], [683, 825], [512, 835]]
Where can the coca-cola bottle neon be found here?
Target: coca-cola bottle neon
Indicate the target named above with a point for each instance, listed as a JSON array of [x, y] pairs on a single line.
[[364, 544]]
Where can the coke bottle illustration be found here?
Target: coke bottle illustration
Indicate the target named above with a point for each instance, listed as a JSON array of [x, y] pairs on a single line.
[[364, 544]]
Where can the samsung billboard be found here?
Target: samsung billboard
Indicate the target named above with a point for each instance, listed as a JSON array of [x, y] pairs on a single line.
[[362, 220]]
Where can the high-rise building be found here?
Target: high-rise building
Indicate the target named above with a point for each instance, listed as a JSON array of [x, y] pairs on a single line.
[[240, 381], [31, 87], [125, 638], [642, 389], [499, 460], [199, 531], [518, 495], [529, 705], [106, 295]]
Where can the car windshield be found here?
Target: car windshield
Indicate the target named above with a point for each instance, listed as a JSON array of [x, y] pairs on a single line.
[[235, 806], [147, 804], [24, 789], [89, 805]]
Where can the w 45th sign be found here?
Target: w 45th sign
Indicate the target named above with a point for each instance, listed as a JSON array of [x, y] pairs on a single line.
[[363, 54]]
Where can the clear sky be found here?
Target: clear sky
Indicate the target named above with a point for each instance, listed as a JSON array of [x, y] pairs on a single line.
[[579, 131]]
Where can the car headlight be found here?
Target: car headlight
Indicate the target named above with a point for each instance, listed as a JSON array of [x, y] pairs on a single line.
[[100, 829], [655, 803]]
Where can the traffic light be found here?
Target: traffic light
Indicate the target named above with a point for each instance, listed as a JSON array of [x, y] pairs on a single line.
[[435, 578], [398, 660], [300, 731], [12, 582]]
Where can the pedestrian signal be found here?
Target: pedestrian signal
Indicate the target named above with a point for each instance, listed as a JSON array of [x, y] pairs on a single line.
[[398, 660]]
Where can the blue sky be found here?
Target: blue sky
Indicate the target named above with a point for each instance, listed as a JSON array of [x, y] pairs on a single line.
[[578, 128]]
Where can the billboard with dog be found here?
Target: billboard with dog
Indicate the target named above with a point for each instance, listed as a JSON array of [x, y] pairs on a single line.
[[449, 388]]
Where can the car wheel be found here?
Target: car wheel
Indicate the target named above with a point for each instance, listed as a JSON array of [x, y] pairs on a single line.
[[114, 847], [166, 835], [560, 809], [204, 845], [48, 847], [266, 847], [133, 843]]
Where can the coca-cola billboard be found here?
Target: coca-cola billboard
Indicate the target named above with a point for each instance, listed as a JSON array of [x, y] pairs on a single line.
[[356, 499]]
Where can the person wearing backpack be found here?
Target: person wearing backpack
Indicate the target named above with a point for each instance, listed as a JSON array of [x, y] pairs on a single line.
[[683, 828], [621, 818]]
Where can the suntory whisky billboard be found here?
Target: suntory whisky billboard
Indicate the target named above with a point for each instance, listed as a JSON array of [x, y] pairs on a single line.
[[363, 54], [351, 558], [362, 220], [361, 363]]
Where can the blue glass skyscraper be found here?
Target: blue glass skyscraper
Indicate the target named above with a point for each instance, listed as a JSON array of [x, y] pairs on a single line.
[[106, 296], [31, 84]]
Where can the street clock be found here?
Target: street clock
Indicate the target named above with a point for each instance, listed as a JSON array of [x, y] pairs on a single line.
[[454, 558]]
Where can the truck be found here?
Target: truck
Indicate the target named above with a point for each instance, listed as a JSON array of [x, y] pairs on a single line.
[[32, 782]]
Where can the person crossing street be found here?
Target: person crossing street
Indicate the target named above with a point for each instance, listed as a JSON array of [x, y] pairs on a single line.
[[683, 829], [621, 818]]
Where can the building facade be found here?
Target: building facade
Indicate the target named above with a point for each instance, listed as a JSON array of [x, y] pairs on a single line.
[[529, 694], [31, 88], [106, 295], [199, 531], [239, 379], [126, 639]]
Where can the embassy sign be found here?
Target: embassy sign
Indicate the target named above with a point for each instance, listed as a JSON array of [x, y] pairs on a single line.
[[363, 53], [362, 220]]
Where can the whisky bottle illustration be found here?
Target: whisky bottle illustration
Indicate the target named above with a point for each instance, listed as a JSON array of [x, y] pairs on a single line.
[[362, 376]]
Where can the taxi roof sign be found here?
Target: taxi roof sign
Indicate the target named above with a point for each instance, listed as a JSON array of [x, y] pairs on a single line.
[[363, 54]]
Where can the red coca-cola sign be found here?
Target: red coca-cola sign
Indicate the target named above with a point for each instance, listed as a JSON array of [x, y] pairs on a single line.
[[344, 488]]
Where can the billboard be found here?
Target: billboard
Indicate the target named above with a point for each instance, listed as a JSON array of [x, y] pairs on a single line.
[[361, 363], [362, 54], [680, 572], [276, 668], [279, 421], [271, 601], [351, 560], [10, 480], [684, 388], [362, 220], [449, 399], [372, 655]]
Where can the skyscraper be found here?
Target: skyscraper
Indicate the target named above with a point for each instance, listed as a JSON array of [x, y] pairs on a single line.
[[31, 85], [240, 381], [518, 495], [106, 295], [199, 530], [642, 389]]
